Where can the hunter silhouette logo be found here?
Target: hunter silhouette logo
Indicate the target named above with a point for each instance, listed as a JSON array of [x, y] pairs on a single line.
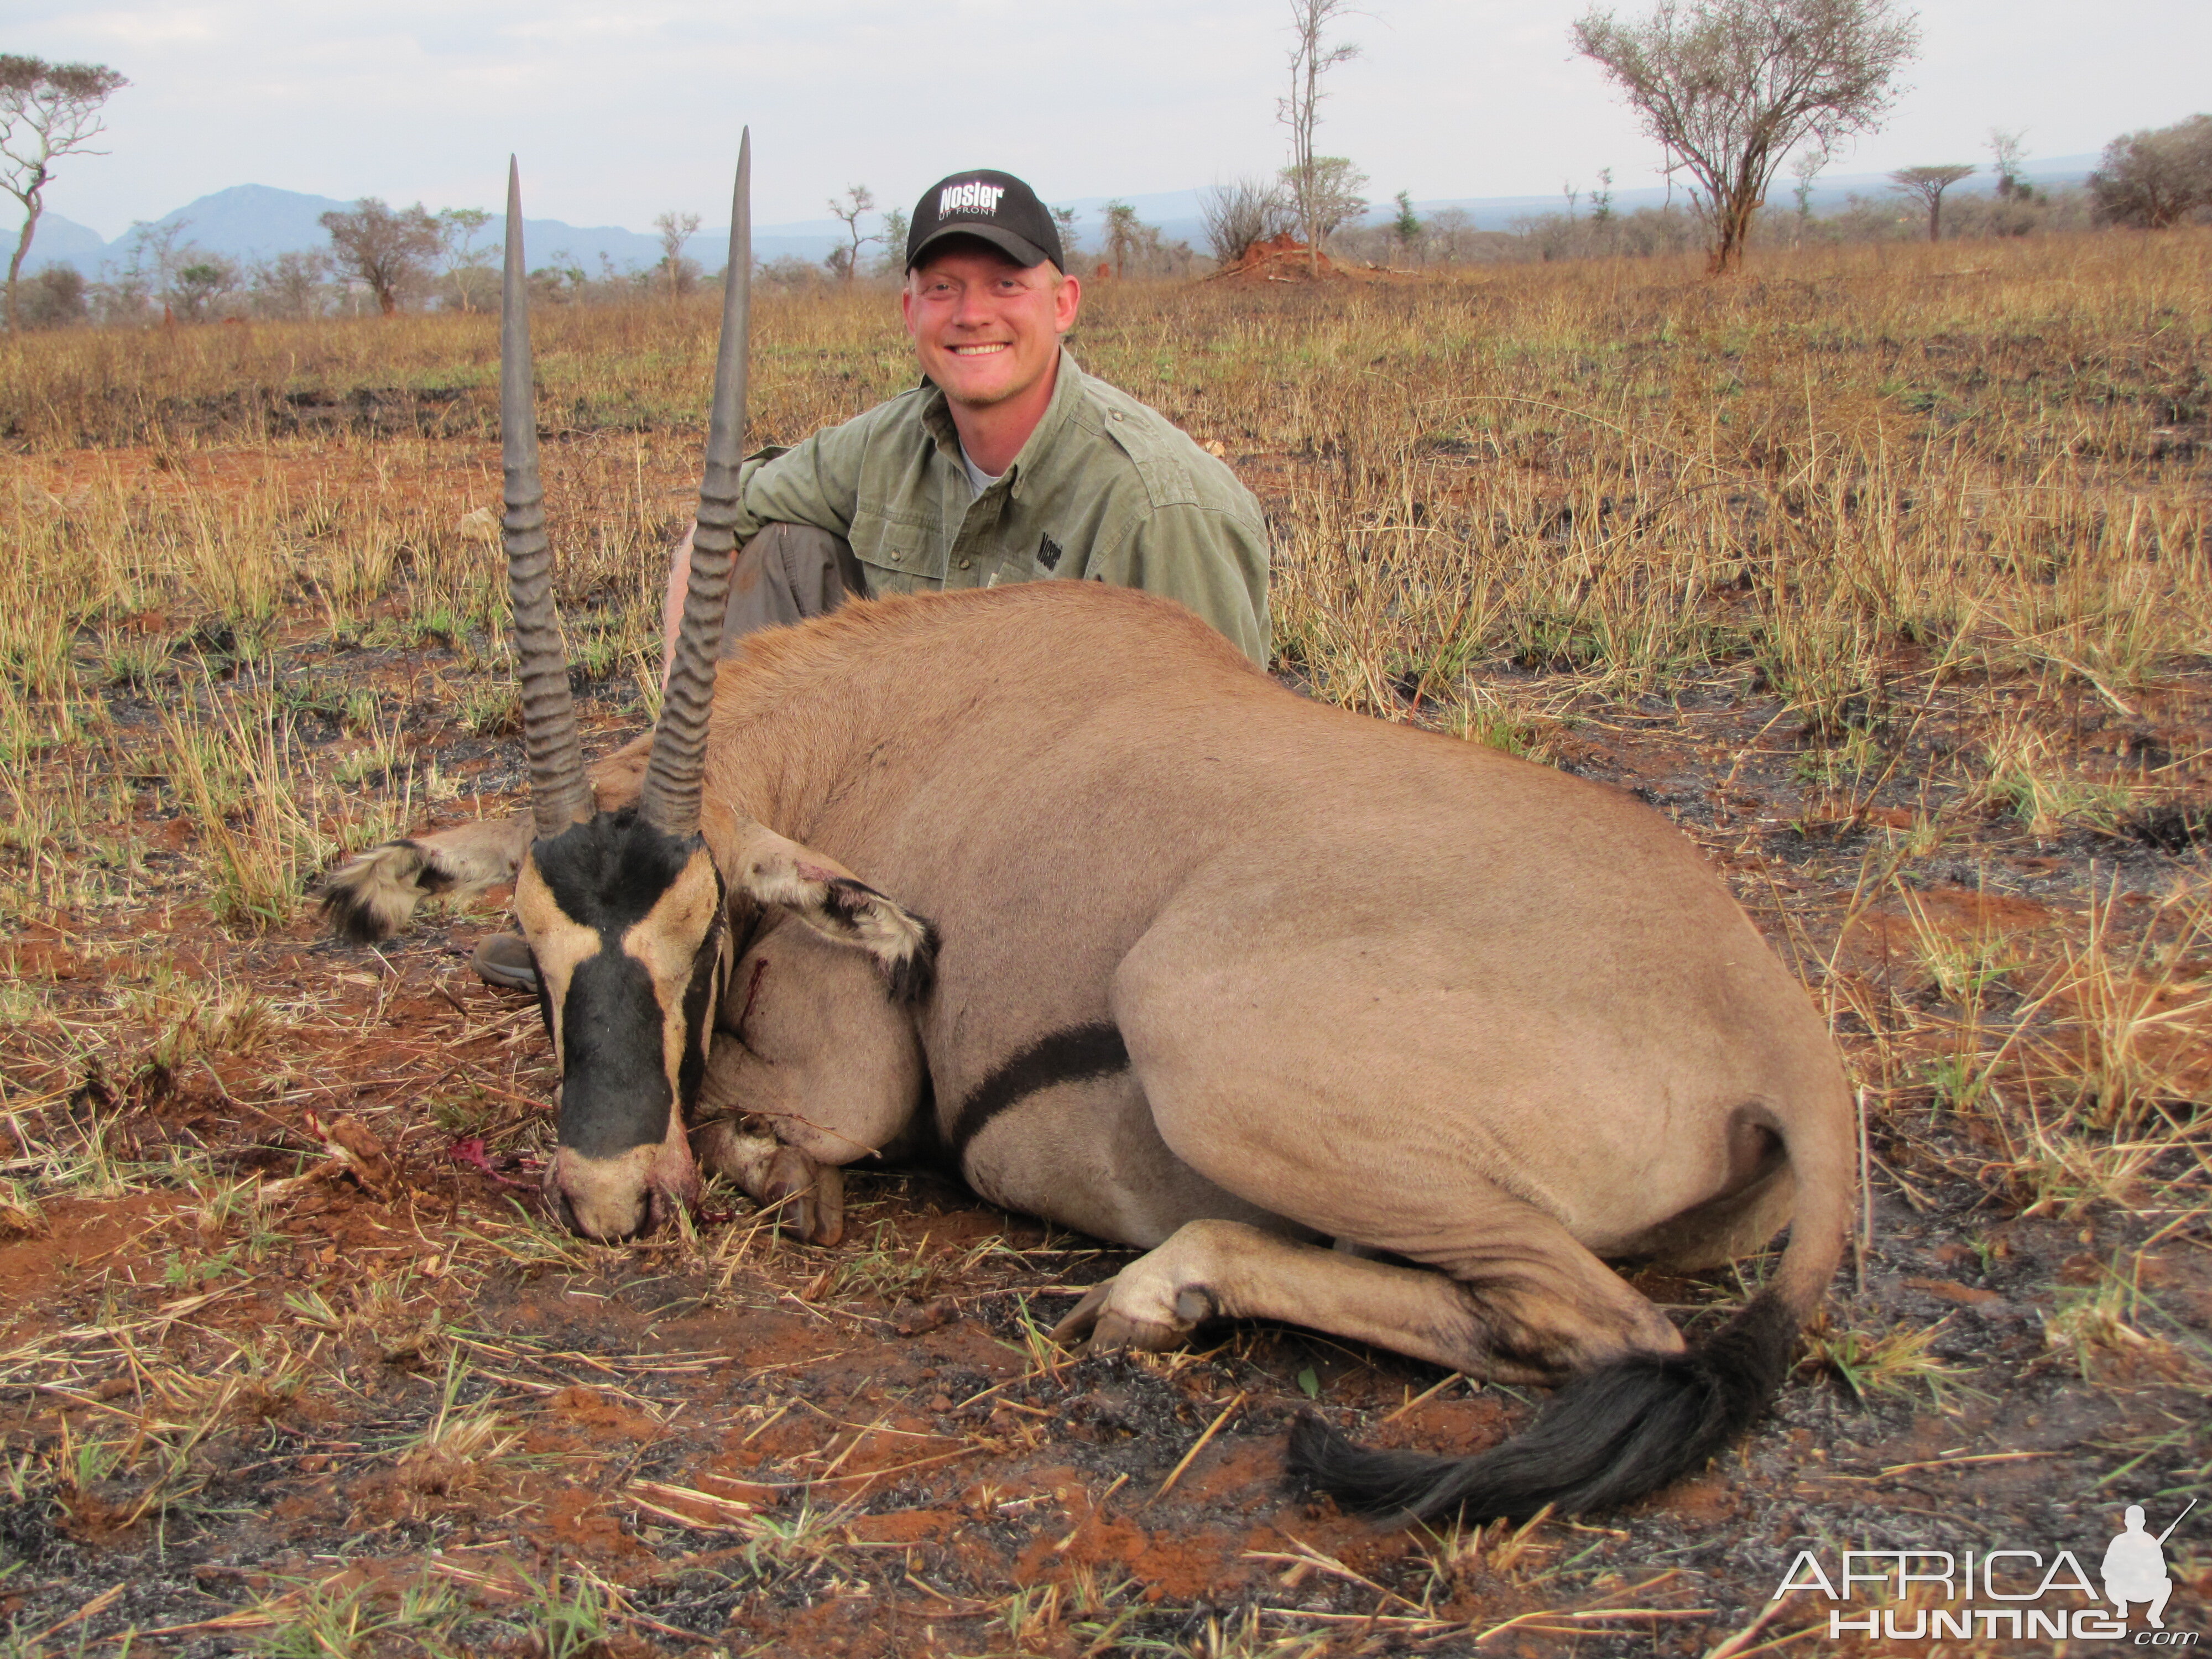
[[1933, 1595], [2135, 1567], [974, 197]]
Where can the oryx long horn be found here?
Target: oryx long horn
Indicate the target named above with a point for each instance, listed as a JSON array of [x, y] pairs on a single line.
[[669, 798], [559, 794]]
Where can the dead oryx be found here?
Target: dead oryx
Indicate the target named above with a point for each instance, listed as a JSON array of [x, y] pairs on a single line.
[[1050, 876]]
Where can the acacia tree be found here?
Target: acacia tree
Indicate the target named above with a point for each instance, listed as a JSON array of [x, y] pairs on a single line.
[[1311, 58], [1331, 191], [891, 254], [1123, 235], [1729, 87], [389, 249], [1929, 184], [2155, 179], [200, 284], [47, 111], [468, 267], [1805, 169], [1407, 227], [681, 272], [2007, 148]]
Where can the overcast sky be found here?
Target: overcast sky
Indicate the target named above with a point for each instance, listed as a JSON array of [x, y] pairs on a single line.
[[621, 109]]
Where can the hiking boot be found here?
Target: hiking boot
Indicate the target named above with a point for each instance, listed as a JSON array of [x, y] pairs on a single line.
[[504, 960]]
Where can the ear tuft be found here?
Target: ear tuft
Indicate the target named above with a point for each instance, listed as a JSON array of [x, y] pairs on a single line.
[[910, 980]]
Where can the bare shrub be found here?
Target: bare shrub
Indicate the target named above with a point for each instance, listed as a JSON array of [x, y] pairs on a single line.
[[52, 298], [292, 286], [678, 273], [1242, 212]]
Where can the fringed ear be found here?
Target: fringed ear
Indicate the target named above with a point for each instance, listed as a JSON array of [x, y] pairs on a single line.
[[774, 870]]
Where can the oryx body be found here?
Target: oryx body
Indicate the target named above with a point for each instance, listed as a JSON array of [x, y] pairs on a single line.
[[1162, 951]]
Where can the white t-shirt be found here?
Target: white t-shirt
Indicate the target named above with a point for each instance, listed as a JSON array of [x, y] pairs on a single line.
[[981, 479]]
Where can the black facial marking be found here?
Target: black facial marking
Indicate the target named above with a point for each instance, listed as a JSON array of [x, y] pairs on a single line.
[[1063, 1056], [702, 993], [544, 999], [614, 1085], [607, 871]]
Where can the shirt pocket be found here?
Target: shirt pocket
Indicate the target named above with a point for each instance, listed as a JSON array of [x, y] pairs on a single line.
[[900, 558]]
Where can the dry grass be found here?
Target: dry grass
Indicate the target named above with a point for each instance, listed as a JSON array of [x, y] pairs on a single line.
[[1935, 502], [1884, 571]]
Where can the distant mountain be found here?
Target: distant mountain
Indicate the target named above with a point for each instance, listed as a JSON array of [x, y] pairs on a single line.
[[254, 221], [60, 242], [1177, 212], [249, 221], [1829, 193]]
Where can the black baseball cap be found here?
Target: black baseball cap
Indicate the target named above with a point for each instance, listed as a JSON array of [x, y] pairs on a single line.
[[991, 206]]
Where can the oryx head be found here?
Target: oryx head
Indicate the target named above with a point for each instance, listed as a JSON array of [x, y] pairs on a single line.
[[626, 912]]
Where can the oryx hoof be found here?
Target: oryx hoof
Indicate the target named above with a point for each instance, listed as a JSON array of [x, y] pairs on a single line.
[[1136, 1309], [809, 1197]]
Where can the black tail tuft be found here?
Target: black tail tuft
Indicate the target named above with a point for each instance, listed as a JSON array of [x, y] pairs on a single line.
[[1608, 1437], [373, 898]]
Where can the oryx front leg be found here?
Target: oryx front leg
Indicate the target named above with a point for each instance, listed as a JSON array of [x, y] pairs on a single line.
[[812, 1067], [806, 1198], [1518, 1326], [1213, 1270]]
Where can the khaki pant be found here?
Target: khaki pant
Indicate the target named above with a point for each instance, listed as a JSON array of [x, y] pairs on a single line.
[[786, 574]]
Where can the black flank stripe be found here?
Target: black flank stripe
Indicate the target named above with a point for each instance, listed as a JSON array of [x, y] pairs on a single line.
[[1061, 1056]]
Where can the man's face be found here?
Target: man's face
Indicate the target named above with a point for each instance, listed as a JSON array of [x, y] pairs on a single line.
[[985, 330]]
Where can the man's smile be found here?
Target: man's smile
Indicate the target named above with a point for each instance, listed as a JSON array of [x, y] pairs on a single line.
[[981, 349]]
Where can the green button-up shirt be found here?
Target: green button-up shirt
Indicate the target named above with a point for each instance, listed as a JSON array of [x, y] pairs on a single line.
[[1105, 490]]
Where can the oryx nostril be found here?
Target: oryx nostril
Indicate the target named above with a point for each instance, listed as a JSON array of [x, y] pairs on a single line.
[[557, 1205]]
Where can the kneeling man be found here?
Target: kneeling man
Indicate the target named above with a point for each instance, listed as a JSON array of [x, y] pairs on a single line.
[[1007, 464]]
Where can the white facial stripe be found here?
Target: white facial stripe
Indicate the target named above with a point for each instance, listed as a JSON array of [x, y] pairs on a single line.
[[664, 942], [561, 944]]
